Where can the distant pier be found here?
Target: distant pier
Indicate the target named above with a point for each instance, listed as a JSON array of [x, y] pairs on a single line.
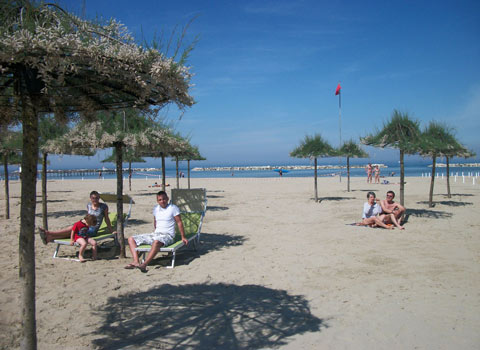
[[78, 172], [64, 173]]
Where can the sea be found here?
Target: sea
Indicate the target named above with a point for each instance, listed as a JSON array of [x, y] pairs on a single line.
[[391, 169]]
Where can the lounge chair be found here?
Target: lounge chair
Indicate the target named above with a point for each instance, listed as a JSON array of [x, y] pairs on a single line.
[[192, 225], [102, 233], [190, 200]]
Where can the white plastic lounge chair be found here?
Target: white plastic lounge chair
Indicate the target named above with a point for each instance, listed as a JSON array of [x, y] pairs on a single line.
[[192, 225], [102, 233]]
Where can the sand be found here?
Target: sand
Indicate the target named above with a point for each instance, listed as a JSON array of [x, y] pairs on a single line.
[[274, 270]]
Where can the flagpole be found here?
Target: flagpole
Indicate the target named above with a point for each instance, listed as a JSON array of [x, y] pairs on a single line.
[[340, 124], [340, 116]]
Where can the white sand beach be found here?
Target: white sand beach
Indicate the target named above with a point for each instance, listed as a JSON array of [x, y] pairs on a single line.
[[275, 270]]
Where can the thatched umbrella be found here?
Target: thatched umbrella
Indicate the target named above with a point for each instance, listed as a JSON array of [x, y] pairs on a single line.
[[313, 147], [10, 153], [182, 152], [438, 141], [106, 134], [163, 142], [57, 145], [191, 154], [129, 156], [49, 130], [456, 150], [52, 61], [351, 150], [400, 132]]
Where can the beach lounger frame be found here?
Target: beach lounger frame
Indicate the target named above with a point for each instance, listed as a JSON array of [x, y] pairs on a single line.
[[190, 202], [190, 220], [101, 234]]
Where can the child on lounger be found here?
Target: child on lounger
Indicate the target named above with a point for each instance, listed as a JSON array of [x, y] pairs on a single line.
[[80, 234]]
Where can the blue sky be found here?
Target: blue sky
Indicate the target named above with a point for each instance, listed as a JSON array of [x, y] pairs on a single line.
[[266, 71]]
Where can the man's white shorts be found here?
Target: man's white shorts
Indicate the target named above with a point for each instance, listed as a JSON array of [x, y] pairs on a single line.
[[148, 238]]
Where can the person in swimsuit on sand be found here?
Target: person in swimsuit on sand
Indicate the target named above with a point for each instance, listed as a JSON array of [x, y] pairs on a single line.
[[371, 215], [393, 211], [368, 169], [377, 174]]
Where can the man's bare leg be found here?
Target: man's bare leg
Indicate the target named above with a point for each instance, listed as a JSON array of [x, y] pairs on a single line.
[[399, 213], [132, 245], [151, 254], [393, 219]]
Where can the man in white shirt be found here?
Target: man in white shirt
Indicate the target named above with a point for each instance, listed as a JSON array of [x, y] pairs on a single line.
[[165, 216]]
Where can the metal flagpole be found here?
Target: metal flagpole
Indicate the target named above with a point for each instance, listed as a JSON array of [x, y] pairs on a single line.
[[340, 116], [340, 124]]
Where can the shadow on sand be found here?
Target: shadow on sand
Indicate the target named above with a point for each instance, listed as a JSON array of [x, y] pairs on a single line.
[[208, 242], [321, 199], [70, 213], [133, 222], [60, 191], [216, 208], [204, 316], [53, 201], [448, 203], [425, 213], [459, 195]]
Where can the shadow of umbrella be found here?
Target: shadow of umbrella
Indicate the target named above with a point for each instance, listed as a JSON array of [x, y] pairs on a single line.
[[209, 242], [60, 214], [321, 199], [425, 213], [204, 316], [448, 203]]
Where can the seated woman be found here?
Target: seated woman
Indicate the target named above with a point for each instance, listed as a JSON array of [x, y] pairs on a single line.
[[371, 215], [95, 208]]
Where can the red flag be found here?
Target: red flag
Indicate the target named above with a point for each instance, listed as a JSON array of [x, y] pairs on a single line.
[[338, 89]]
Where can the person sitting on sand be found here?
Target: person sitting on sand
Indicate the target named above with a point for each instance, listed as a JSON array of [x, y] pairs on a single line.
[[95, 208], [371, 215], [393, 211], [157, 185], [165, 216], [81, 234]]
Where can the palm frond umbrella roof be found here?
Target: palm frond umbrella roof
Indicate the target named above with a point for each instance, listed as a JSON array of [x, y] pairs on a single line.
[[73, 65]]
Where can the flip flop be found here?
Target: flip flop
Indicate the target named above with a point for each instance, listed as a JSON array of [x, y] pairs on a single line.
[[130, 267], [43, 235], [143, 269]]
